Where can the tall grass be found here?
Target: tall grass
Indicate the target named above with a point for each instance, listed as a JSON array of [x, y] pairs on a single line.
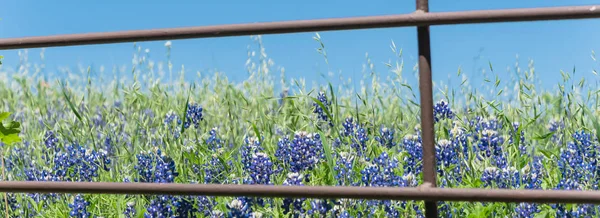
[[502, 134]]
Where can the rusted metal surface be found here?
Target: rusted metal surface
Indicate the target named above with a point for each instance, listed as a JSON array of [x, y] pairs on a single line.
[[413, 19], [425, 90], [420, 193]]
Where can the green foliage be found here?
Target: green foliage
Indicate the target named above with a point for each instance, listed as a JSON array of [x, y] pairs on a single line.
[[9, 130]]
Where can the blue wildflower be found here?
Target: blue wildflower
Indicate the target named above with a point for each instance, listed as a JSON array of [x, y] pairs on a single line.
[[130, 211], [356, 133], [160, 207], [386, 137], [79, 207], [448, 162], [184, 206], [239, 208], [250, 147], [320, 111], [319, 207], [193, 116], [293, 205], [442, 110], [50, 140], [301, 153], [414, 149], [260, 170], [205, 205], [344, 169], [156, 168]]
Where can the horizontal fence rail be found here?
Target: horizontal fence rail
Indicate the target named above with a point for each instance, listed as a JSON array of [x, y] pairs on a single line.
[[423, 192], [419, 18]]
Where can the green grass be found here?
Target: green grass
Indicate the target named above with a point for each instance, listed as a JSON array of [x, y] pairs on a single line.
[[72, 107]]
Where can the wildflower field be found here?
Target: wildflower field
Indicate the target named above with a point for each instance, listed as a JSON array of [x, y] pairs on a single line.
[[259, 131]]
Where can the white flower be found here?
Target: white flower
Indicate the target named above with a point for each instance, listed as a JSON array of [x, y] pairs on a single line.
[[168, 44]]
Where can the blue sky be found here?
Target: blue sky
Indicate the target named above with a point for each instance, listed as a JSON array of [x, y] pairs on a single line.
[[553, 45]]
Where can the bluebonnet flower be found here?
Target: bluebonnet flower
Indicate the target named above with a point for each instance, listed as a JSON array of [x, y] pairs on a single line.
[[193, 116], [414, 153], [442, 110], [109, 146], [489, 144], [260, 170], [380, 173], [216, 214], [409, 180], [50, 140], [79, 207], [532, 174], [578, 160], [501, 177], [156, 168], [458, 136], [386, 137], [527, 210], [14, 208], [205, 205], [214, 170], [214, 142], [160, 207], [448, 162], [491, 175], [349, 126], [319, 207], [250, 147], [172, 122], [76, 163], [359, 143], [184, 206], [556, 126], [320, 111], [515, 130], [343, 168], [356, 133], [130, 211], [303, 152], [578, 167], [293, 205], [239, 208]]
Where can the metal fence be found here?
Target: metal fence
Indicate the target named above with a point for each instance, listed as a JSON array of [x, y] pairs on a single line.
[[427, 192]]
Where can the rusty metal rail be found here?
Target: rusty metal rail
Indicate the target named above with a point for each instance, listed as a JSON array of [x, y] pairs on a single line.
[[421, 18], [424, 192]]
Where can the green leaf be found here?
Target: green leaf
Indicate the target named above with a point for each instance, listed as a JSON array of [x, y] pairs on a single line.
[[256, 132], [4, 115], [542, 214], [71, 105], [327, 112], [545, 136], [9, 133]]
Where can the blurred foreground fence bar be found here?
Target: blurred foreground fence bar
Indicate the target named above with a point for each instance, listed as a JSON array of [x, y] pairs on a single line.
[[426, 95], [419, 193], [422, 18], [404, 20]]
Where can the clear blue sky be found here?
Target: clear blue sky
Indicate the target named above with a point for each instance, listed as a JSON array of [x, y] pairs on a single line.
[[554, 46]]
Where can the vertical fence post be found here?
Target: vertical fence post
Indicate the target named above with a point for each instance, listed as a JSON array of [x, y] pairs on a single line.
[[425, 89]]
